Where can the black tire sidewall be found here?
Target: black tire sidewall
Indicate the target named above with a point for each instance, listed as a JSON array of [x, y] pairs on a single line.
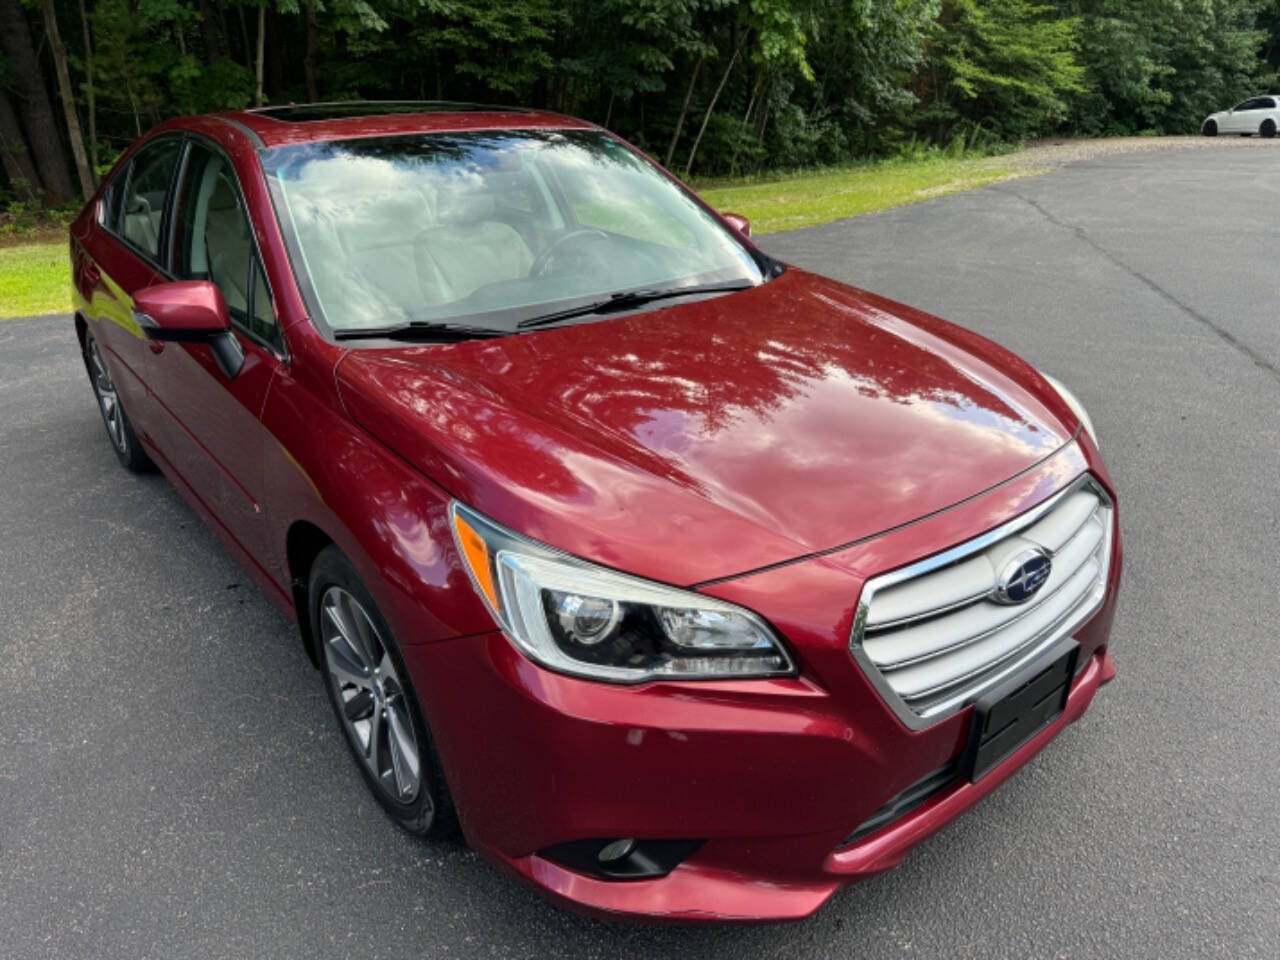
[[1268, 129], [1210, 128], [430, 811]]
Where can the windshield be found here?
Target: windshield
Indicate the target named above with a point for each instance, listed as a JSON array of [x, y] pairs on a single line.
[[493, 227]]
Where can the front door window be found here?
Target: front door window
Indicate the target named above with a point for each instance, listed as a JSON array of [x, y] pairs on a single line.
[[215, 242]]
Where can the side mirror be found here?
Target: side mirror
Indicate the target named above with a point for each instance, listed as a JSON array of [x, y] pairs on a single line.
[[738, 222], [190, 311]]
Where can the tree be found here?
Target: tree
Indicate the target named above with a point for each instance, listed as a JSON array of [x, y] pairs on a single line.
[[34, 107], [90, 93], [775, 28], [14, 158], [714, 85], [212, 34], [1153, 65], [67, 96], [1008, 67]]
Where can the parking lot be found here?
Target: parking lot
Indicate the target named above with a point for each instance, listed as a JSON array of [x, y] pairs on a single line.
[[172, 782]]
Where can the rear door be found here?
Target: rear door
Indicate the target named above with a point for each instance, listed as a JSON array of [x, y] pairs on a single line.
[[121, 254], [212, 421]]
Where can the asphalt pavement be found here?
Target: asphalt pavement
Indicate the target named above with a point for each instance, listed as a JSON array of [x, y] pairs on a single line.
[[172, 783]]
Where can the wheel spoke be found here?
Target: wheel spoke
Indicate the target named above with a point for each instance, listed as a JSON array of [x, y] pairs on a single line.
[[344, 669], [342, 641], [373, 750], [116, 426], [360, 706], [362, 632], [404, 751]]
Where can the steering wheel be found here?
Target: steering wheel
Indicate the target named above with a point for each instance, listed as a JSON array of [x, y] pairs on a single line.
[[541, 260]]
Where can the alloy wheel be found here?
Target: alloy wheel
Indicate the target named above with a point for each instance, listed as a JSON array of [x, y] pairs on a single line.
[[108, 400], [374, 706]]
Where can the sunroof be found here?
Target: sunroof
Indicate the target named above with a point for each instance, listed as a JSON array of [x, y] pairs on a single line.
[[312, 112]]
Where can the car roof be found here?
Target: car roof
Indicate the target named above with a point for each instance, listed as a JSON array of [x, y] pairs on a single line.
[[349, 119]]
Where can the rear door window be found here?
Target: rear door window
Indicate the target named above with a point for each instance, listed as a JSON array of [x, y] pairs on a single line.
[[113, 201], [150, 177]]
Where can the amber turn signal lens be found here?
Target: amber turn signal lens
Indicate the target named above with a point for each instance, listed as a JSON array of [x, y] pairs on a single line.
[[476, 553]]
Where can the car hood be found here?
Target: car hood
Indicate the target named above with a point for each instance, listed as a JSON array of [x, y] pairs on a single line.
[[715, 436]]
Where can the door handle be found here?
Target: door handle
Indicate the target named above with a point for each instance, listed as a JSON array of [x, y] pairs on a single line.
[[143, 321]]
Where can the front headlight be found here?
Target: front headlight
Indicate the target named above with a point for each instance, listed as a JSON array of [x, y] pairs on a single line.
[[1074, 403], [574, 617]]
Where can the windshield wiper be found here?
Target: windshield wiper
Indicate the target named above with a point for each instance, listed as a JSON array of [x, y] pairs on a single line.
[[626, 299], [420, 331]]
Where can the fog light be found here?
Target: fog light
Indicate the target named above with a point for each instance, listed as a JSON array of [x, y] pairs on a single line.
[[624, 859], [618, 850]]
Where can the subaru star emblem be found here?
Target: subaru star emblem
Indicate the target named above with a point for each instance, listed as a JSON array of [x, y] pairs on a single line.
[[1023, 576]]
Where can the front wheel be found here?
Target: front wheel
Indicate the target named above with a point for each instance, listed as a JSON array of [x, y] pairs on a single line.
[[119, 428], [1210, 128], [374, 700], [1268, 129]]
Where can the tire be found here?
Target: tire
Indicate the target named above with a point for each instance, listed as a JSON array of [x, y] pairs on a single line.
[[1210, 128], [373, 699], [1268, 129], [124, 441]]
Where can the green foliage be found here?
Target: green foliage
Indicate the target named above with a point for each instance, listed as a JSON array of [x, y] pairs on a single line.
[[776, 83], [1161, 66], [505, 44], [1007, 66]]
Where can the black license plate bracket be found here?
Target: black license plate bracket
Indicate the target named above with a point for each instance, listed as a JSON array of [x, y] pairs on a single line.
[[1012, 713]]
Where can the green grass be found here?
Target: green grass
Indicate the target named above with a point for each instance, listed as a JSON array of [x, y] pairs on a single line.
[[35, 278], [804, 199]]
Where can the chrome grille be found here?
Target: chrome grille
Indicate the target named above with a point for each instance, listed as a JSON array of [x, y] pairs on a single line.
[[933, 639]]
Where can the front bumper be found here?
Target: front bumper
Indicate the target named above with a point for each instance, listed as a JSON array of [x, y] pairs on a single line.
[[773, 775], [722, 881]]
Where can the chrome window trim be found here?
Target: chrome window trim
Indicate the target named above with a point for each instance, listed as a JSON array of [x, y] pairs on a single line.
[[1063, 627]]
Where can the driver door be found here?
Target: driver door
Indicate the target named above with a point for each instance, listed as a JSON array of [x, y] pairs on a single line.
[[212, 421]]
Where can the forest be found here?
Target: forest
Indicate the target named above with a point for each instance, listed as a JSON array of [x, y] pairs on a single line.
[[709, 87]]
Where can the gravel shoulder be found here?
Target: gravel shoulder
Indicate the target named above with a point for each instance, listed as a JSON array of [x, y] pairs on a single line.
[[1054, 152]]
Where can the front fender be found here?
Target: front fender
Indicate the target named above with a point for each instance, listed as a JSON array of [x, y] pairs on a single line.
[[391, 522]]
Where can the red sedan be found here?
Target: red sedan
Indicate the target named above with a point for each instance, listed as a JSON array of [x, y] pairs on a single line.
[[687, 583]]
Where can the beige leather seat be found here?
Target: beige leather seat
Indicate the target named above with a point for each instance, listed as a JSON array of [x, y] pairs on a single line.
[[142, 225], [377, 237], [467, 250], [228, 246]]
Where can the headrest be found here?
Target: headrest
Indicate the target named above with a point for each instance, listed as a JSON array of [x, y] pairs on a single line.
[[225, 216], [223, 197], [388, 216], [465, 207]]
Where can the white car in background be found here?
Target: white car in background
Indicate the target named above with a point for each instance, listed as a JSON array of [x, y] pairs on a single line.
[[1260, 115]]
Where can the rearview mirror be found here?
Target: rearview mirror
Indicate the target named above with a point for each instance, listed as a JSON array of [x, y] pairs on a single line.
[[738, 222], [190, 311]]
